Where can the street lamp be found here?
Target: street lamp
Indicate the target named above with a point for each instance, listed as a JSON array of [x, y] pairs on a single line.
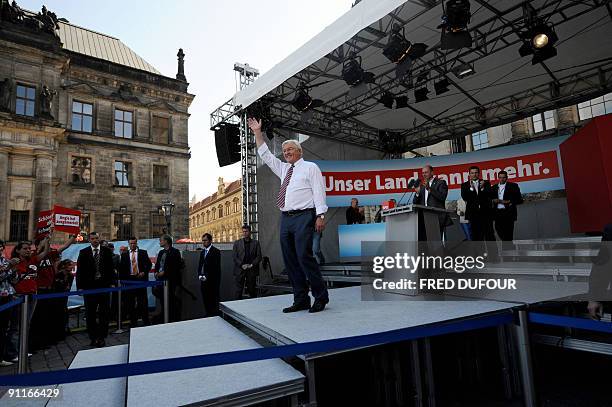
[[167, 208]]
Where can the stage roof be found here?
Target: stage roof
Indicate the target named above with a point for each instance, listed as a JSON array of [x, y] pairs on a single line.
[[504, 88]]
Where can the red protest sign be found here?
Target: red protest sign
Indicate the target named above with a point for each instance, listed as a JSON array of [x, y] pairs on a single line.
[[66, 220], [43, 224]]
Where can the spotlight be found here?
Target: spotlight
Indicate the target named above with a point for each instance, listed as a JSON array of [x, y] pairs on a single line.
[[402, 52], [441, 86], [539, 41], [387, 100], [463, 70], [454, 25], [420, 94], [401, 102], [302, 100], [353, 73]]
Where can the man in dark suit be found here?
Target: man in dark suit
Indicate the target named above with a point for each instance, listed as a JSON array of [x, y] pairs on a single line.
[[168, 267], [209, 273], [135, 265], [477, 194], [247, 256], [95, 270], [506, 195], [432, 191]]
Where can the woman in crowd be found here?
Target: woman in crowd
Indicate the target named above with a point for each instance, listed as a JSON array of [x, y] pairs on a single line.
[[25, 281]]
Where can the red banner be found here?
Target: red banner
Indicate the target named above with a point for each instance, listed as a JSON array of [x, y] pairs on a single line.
[[66, 220], [43, 224], [522, 168]]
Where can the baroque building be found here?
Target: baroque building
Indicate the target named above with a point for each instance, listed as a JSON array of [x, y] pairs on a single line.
[[88, 124], [219, 214]]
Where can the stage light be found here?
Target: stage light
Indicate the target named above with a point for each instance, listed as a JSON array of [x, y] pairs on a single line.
[[401, 102], [455, 20], [441, 86], [539, 41], [420, 94], [402, 52], [353, 73], [463, 70], [387, 100], [302, 100]]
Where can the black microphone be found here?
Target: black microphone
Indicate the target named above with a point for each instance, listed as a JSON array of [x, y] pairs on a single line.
[[413, 183]]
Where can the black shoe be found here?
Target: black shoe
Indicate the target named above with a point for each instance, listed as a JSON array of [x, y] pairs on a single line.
[[100, 343], [297, 307], [318, 306]]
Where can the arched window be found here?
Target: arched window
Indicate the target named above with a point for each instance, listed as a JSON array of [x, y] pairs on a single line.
[[235, 205], [207, 216], [227, 208], [220, 211], [214, 213]]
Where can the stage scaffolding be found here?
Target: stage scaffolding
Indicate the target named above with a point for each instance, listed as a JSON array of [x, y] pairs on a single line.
[[245, 75]]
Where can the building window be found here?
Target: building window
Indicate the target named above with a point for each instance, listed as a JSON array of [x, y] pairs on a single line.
[[458, 145], [161, 125], [19, 225], [595, 107], [123, 174], [122, 226], [84, 223], [123, 123], [480, 140], [214, 213], [227, 208], [543, 121], [81, 170], [220, 211], [235, 206], [207, 216], [25, 101], [160, 177], [158, 224], [82, 116]]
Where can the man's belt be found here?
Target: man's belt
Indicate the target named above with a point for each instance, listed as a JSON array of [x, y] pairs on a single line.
[[298, 211]]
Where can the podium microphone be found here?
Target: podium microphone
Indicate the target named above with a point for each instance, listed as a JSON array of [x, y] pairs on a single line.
[[413, 183]]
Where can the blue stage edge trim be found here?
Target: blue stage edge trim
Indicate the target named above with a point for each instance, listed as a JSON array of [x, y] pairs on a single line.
[[570, 322]]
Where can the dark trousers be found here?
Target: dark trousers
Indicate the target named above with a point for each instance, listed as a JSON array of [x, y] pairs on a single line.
[[5, 320], [42, 322], [249, 277], [210, 297], [97, 309], [482, 230], [296, 243], [504, 226], [137, 305]]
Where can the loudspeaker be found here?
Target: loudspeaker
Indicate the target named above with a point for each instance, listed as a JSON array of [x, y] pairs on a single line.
[[227, 142]]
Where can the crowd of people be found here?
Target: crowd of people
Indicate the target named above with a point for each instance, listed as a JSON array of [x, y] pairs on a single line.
[[41, 270]]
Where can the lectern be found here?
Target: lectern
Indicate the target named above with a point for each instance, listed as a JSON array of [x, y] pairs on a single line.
[[402, 236]]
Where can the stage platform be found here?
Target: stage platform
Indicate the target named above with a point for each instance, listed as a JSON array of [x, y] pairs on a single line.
[[97, 393], [229, 385], [347, 315]]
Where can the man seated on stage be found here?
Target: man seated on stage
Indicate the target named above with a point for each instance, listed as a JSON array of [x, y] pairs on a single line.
[[301, 200], [432, 191], [506, 195]]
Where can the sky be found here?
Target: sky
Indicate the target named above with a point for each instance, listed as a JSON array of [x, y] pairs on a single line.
[[214, 34]]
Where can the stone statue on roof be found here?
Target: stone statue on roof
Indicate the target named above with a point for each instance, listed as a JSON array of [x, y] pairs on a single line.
[[10, 12]]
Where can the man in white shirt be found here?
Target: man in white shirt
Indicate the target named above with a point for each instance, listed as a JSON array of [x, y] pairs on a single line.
[[301, 199]]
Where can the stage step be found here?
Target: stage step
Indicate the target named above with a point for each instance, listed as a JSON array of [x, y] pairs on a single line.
[[229, 385], [102, 393]]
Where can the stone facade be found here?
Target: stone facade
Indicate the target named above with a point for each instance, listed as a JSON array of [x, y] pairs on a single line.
[[219, 214], [74, 149]]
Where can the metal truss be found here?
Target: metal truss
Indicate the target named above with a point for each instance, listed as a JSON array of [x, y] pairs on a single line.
[[227, 113], [338, 118]]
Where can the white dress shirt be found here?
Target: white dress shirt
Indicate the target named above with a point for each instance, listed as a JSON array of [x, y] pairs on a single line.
[[500, 195], [427, 191], [306, 188]]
